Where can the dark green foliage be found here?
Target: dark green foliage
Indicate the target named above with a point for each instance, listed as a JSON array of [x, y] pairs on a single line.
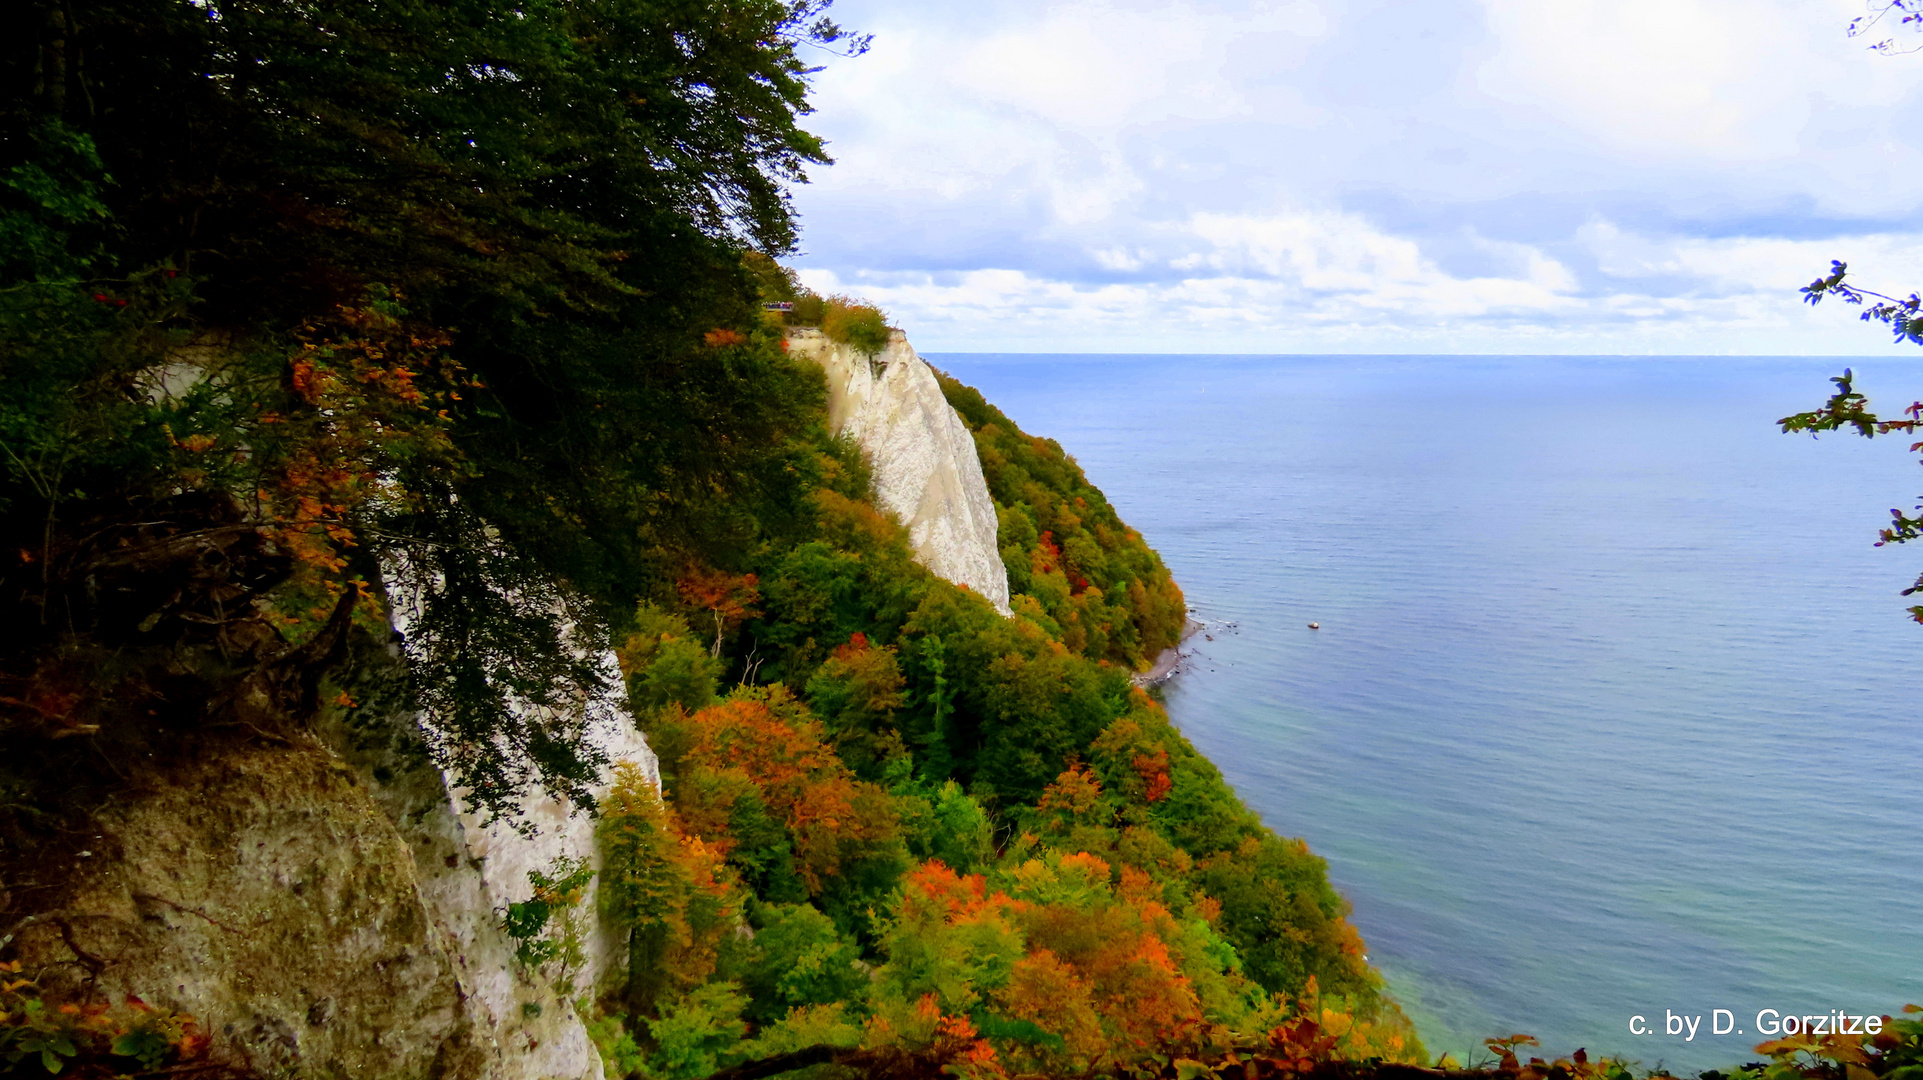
[[696, 1034], [519, 152], [562, 192], [1021, 706], [857, 897], [488, 633], [55, 218], [763, 852], [797, 958], [858, 577], [856, 694], [664, 663], [74, 342], [943, 822], [1269, 884], [324, 312]]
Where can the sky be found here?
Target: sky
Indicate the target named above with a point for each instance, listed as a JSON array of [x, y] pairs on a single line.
[[1330, 176]]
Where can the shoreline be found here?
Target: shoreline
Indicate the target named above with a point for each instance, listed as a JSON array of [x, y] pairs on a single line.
[[1169, 663]]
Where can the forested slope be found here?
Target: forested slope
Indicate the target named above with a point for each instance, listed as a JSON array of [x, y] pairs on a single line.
[[306, 306], [1104, 590]]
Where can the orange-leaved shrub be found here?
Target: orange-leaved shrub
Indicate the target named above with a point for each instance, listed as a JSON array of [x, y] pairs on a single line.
[[760, 783], [1059, 961]]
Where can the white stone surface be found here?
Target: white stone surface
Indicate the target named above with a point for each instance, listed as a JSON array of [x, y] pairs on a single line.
[[468, 901], [926, 471], [563, 831]]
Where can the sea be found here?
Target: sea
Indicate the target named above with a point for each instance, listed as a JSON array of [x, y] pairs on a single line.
[[1611, 720]]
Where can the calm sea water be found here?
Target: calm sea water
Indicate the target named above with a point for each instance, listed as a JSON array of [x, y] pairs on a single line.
[[1612, 711]]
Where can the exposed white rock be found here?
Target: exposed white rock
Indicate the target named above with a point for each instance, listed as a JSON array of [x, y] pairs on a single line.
[[562, 831], [467, 895], [926, 471], [261, 890], [325, 914]]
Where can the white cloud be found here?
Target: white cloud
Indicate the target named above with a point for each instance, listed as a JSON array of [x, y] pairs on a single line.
[[1117, 259], [1683, 76], [1249, 276], [1757, 266], [1333, 282], [1097, 67], [1586, 175], [1343, 255]]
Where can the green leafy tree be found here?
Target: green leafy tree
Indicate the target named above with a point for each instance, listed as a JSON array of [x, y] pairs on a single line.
[[798, 959], [1849, 409], [697, 1034]]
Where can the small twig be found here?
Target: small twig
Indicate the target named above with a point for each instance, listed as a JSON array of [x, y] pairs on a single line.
[[94, 964], [188, 910]]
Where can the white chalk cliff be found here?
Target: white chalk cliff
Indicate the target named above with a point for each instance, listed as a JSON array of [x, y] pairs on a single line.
[[494, 862], [926, 471]]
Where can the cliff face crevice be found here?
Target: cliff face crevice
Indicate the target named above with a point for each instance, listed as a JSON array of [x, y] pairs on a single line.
[[926, 471]]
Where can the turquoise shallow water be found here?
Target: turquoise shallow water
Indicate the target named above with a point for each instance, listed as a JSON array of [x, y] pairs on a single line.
[[1612, 709]]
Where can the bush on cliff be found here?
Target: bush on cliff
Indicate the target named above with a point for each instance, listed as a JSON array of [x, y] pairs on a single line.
[[852, 322]]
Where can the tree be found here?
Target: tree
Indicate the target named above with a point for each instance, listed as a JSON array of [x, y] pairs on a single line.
[[544, 207], [1849, 409]]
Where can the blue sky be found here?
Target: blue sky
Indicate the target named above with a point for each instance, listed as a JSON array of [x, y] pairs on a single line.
[[1533, 176]]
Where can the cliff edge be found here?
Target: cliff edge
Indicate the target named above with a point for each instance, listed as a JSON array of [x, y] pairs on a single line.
[[925, 465]]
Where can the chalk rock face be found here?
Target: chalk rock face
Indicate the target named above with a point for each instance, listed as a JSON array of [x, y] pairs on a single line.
[[325, 909], [466, 892], [266, 893], [926, 471], [563, 835], [518, 1023]]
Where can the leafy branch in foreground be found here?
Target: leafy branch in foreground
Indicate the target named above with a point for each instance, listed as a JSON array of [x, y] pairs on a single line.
[[1900, 315], [1849, 409], [1909, 15]]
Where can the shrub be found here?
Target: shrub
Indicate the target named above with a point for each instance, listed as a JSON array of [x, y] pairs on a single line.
[[547, 927], [797, 960], [697, 1033], [852, 322], [810, 308]]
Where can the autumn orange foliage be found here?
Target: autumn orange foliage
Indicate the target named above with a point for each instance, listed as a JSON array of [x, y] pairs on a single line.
[[369, 391], [765, 741], [1153, 769], [1099, 964], [728, 599]]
